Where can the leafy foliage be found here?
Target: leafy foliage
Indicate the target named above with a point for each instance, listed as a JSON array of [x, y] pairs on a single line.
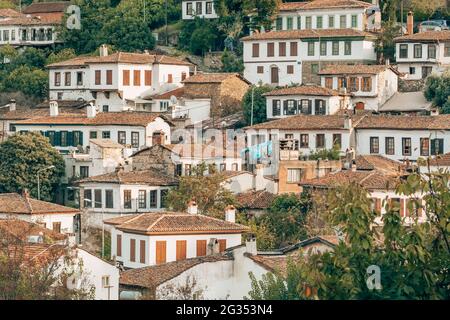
[[330, 154], [384, 44], [231, 62], [259, 104], [437, 89]]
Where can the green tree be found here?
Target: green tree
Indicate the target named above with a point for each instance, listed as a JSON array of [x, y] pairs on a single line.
[[384, 44], [203, 39], [21, 156], [62, 55], [437, 90], [259, 104], [231, 62], [32, 82], [30, 57]]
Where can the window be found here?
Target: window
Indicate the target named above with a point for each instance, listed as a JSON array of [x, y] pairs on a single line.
[[329, 82], [98, 77], [209, 6], [308, 23], [314, 68], [282, 49], [320, 140], [437, 147], [122, 137], [77, 138], [169, 78], [51, 137], [135, 139], [279, 24], [290, 69], [119, 245], [412, 70], [299, 23], [330, 22], [337, 140], [323, 48], [63, 139], [406, 146], [106, 134], [335, 48], [181, 250], [260, 69], [347, 48], [310, 48], [127, 199], [198, 8], [57, 79], [79, 78], [234, 167], [304, 141], [417, 51], [92, 134], [431, 51], [343, 22], [276, 107], [126, 77], [424, 147], [222, 167], [163, 195], [142, 199], [306, 106], [67, 78], [222, 245], [109, 77], [319, 22], [132, 250], [160, 252], [98, 203], [60, 95], [374, 145], [201, 248], [87, 196], [178, 169], [366, 84], [354, 21], [403, 51], [353, 84], [320, 107], [255, 50], [447, 49], [153, 198], [56, 226], [187, 169], [109, 199], [342, 82], [189, 8], [271, 49], [84, 172], [137, 77], [290, 107], [105, 108], [390, 146], [294, 49], [142, 251], [294, 175], [290, 23]]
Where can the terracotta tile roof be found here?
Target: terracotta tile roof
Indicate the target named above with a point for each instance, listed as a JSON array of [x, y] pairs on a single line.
[[440, 122], [228, 174], [46, 7], [442, 160], [178, 93], [22, 229], [212, 77], [196, 150], [427, 36], [148, 177], [126, 118], [37, 255], [13, 203], [152, 277], [26, 21], [273, 264], [323, 4], [310, 90], [120, 57], [371, 162], [10, 13], [226, 122], [255, 199], [106, 143], [24, 114], [307, 34], [304, 122], [174, 223], [353, 69]]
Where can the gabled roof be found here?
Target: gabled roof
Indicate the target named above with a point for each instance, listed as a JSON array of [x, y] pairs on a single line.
[[323, 4], [10, 13], [106, 143], [26, 21], [178, 93], [46, 7], [426, 36], [372, 162], [174, 223], [439, 122], [195, 150], [309, 90], [148, 177], [212, 78], [401, 102], [307, 34], [13, 203], [441, 160], [261, 199], [22, 229], [330, 241]]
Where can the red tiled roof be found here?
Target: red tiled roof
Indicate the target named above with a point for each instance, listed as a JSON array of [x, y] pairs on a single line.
[[274, 264], [149, 177], [24, 114], [22, 229], [13, 203], [255, 199], [353, 69], [174, 223], [27, 21], [178, 93], [310, 90], [440, 122], [46, 7], [426, 36], [10, 13], [304, 122], [323, 4], [212, 77], [306, 34], [371, 162], [441, 160]]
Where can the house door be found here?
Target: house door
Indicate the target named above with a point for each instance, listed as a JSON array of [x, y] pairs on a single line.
[[274, 75], [359, 106]]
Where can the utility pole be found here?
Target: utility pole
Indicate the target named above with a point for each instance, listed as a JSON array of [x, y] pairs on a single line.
[[401, 17], [167, 28], [253, 101]]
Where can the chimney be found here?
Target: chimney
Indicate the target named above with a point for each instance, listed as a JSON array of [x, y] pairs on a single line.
[[12, 105], [251, 247], [91, 110], [192, 207], [230, 214], [53, 108], [25, 193], [347, 122], [103, 50], [213, 247], [260, 183], [410, 23]]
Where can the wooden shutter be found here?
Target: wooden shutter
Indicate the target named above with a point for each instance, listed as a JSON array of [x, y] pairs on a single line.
[[270, 49], [169, 78], [160, 252], [148, 77], [282, 49], [98, 77], [137, 77], [294, 49], [57, 227], [132, 250], [142, 251], [222, 245], [126, 77], [201, 248], [402, 207], [255, 50], [119, 245], [181, 250], [309, 106], [377, 205], [109, 77]]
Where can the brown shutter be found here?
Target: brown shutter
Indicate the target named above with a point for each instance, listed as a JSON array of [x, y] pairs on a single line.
[[181, 250], [132, 250], [57, 227], [294, 49], [109, 77], [222, 245], [183, 76], [201, 248], [402, 207], [142, 251], [255, 50], [137, 77], [270, 49], [119, 245], [282, 49], [378, 206], [126, 77], [148, 77], [98, 77], [169, 78], [160, 252]]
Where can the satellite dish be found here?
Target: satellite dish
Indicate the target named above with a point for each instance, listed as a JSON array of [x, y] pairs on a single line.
[[173, 100]]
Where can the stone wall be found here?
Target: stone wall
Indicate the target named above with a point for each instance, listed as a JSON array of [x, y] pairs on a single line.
[[410, 85], [156, 157]]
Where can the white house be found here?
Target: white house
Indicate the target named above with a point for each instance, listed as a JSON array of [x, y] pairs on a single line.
[[120, 192], [48, 215], [420, 54], [288, 57], [305, 99], [156, 238], [116, 81], [370, 85], [200, 8]]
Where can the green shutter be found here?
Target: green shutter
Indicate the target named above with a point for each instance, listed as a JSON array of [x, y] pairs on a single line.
[[80, 138], [441, 146], [70, 139], [58, 138]]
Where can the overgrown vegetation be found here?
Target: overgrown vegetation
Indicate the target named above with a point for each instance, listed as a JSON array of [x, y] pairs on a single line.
[[437, 90]]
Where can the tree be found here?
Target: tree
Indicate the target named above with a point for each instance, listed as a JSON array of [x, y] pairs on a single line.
[[62, 55], [427, 7], [231, 62], [32, 82], [259, 104], [207, 190], [384, 44], [437, 90], [21, 156]]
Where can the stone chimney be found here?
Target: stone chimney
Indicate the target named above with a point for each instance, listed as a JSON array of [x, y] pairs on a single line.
[[192, 207], [12, 105], [91, 110], [103, 50], [230, 214], [213, 247], [410, 23], [251, 247], [53, 109]]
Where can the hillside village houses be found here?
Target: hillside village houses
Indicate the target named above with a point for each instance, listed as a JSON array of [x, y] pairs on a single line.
[[198, 9]]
